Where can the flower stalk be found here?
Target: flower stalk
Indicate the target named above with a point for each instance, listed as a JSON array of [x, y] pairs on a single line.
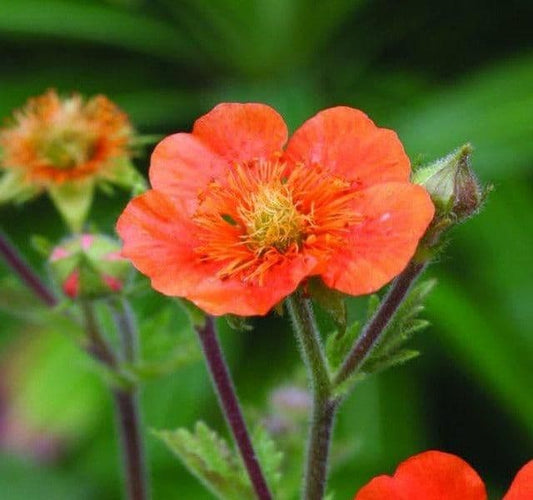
[[324, 402], [23, 270], [125, 396], [228, 400]]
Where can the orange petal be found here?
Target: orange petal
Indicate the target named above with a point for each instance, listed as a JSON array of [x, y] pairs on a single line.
[[395, 216], [159, 240], [522, 485], [232, 296], [347, 142], [181, 167], [242, 132], [432, 475]]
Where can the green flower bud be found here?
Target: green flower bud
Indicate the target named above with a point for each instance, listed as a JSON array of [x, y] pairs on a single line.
[[452, 185], [89, 266]]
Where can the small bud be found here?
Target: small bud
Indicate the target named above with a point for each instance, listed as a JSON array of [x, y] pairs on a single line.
[[89, 266], [452, 185]]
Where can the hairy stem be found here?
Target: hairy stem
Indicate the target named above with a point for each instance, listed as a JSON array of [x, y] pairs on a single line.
[[324, 404], [23, 270], [125, 398], [129, 426], [228, 399], [371, 334]]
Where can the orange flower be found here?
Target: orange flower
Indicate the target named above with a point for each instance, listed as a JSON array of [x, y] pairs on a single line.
[[434, 475], [65, 146], [234, 223], [54, 141]]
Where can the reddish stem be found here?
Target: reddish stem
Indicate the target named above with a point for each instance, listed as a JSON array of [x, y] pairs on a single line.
[[23, 270], [228, 399]]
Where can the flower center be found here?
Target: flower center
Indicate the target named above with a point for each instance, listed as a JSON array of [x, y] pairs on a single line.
[[272, 218], [66, 149], [265, 213]]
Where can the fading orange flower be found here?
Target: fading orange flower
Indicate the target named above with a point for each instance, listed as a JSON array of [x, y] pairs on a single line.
[[65, 146], [234, 223], [435, 475]]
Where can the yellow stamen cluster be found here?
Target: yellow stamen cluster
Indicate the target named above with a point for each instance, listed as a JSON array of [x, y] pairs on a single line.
[[264, 213], [272, 219]]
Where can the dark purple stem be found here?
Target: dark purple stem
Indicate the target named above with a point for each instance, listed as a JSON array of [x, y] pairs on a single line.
[[371, 334], [129, 425], [230, 404], [126, 398], [23, 270]]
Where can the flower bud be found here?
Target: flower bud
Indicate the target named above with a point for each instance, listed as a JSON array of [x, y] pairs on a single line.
[[89, 266], [452, 185]]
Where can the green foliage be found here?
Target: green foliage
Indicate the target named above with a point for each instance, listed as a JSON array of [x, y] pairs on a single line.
[[404, 324], [211, 460], [331, 301], [338, 345], [215, 464], [270, 458]]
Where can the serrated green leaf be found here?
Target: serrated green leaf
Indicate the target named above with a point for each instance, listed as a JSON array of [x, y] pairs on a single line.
[[402, 327], [269, 456], [405, 322], [211, 460], [339, 344], [379, 364], [330, 300]]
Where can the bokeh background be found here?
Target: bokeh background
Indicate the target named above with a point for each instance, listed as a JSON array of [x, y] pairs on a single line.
[[441, 74]]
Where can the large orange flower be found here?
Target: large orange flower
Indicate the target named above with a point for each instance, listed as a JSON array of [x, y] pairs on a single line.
[[435, 475], [234, 223]]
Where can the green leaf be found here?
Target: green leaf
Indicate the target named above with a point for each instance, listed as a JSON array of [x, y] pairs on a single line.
[[378, 364], [401, 328], [338, 345], [330, 300], [270, 458], [73, 201], [211, 460]]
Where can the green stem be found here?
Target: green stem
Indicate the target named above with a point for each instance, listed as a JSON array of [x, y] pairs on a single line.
[[324, 404]]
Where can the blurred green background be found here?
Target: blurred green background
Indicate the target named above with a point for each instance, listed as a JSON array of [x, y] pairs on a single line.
[[441, 74]]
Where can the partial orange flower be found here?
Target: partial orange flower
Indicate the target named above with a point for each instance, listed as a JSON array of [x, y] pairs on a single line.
[[65, 146], [435, 475], [235, 223]]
